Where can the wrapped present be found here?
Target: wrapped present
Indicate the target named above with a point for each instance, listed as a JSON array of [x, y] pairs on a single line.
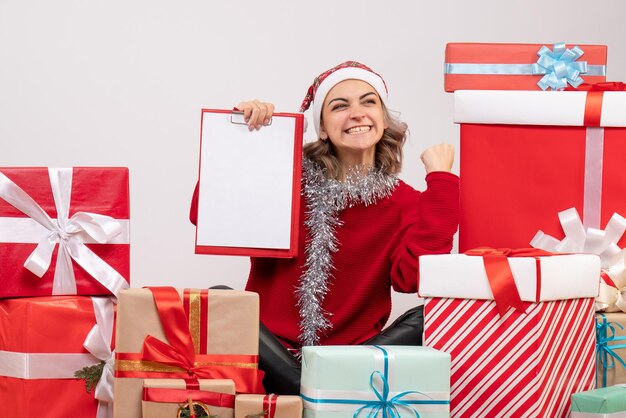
[[541, 153], [44, 342], [268, 406], [63, 231], [612, 297], [505, 320], [481, 66], [345, 381], [609, 402], [611, 348], [181, 334], [166, 398]]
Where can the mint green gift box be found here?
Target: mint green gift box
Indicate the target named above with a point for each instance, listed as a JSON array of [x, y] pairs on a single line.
[[608, 402], [375, 381]]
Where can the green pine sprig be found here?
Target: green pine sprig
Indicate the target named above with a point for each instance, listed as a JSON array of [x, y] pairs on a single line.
[[200, 412], [91, 375]]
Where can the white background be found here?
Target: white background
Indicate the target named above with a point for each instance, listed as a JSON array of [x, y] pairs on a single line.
[[121, 83]]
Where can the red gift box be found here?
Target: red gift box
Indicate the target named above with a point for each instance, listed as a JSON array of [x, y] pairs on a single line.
[[42, 346], [525, 361], [527, 156], [79, 216], [482, 66]]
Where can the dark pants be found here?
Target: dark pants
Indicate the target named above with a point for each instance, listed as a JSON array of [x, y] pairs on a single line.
[[282, 369]]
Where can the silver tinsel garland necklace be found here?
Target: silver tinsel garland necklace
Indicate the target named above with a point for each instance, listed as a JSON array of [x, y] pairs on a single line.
[[326, 198]]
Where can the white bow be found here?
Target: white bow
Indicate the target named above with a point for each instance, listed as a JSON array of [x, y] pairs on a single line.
[[69, 233], [579, 239], [98, 343]]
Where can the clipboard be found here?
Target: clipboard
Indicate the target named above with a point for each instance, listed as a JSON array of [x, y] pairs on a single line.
[[249, 185]]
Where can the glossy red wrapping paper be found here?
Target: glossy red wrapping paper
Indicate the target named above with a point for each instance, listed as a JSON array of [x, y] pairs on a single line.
[[516, 179], [54, 324], [103, 191]]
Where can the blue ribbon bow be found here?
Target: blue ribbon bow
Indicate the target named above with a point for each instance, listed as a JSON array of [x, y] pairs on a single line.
[[384, 404], [605, 333], [559, 67]]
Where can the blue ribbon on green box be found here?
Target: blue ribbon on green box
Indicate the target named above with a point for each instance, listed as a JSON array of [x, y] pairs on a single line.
[[605, 334], [384, 404]]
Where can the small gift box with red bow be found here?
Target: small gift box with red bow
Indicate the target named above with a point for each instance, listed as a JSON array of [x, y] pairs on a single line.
[[519, 325], [47, 346], [190, 334], [268, 406], [63, 231], [179, 398], [528, 155], [481, 66]]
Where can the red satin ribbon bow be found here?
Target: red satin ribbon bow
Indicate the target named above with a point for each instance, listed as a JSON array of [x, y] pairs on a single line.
[[595, 94], [180, 350], [499, 274]]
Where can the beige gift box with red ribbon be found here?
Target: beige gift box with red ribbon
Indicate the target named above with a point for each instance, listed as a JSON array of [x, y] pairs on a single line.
[[184, 334]]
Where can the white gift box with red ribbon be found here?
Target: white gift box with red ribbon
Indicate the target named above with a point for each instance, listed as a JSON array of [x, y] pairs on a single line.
[[512, 359]]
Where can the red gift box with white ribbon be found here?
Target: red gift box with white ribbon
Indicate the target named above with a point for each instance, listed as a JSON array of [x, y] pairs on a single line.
[[64, 231], [528, 155], [44, 341]]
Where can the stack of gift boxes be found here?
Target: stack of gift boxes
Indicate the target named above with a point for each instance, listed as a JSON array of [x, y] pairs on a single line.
[[184, 349], [64, 251], [63, 233], [520, 322]]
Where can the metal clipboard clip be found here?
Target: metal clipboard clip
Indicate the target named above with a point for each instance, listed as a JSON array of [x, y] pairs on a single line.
[[237, 118]]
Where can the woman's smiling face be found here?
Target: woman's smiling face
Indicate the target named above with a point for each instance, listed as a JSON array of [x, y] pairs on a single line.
[[353, 120]]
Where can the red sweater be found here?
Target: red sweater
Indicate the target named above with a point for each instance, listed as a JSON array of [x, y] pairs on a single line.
[[379, 246]]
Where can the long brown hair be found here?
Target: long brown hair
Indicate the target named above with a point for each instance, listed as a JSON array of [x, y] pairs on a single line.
[[387, 158]]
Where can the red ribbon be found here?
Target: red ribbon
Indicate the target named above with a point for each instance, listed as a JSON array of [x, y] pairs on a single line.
[[180, 351], [595, 95], [222, 400], [606, 86], [269, 405], [607, 279], [500, 276]]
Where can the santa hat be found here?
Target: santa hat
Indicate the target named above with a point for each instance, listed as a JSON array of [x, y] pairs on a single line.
[[349, 70]]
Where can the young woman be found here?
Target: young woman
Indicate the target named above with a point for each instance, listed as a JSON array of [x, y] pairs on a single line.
[[362, 228]]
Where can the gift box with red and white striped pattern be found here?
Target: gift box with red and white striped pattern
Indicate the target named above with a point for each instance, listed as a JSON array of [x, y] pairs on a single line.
[[520, 364]]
